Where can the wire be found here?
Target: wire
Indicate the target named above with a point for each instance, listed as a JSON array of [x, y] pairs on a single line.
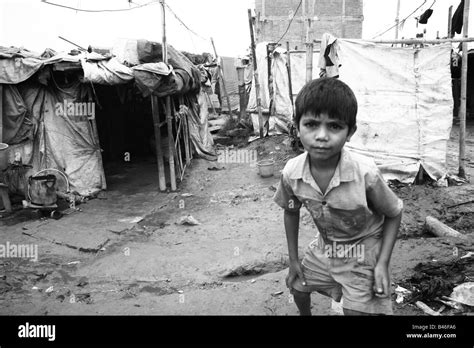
[[184, 24], [403, 20], [83, 10], [291, 20]]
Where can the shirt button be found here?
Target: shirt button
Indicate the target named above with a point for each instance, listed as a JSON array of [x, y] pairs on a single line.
[[323, 202]]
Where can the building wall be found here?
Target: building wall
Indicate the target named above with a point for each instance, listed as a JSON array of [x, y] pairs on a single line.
[[341, 18]]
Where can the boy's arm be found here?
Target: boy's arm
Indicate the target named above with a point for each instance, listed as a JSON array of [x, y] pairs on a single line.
[[292, 222], [381, 274]]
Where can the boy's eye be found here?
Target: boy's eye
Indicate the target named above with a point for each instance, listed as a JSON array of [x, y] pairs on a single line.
[[311, 124], [335, 126]]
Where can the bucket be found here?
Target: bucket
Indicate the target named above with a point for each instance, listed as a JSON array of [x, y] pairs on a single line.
[[3, 156], [265, 168], [42, 190]]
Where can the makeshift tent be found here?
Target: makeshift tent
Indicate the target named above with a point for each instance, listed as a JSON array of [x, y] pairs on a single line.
[[45, 138], [404, 95]]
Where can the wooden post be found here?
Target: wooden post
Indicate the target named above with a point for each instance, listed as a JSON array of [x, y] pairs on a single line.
[[450, 15], [220, 71], [242, 96], [343, 19], [168, 113], [288, 68], [159, 150], [255, 76], [169, 119], [309, 53], [397, 20], [462, 111]]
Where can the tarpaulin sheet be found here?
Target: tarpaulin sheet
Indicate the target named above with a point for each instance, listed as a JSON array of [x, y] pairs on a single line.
[[17, 126], [64, 142], [405, 105], [106, 72], [201, 138]]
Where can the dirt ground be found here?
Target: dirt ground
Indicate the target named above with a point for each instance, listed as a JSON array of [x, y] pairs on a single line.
[[233, 263]]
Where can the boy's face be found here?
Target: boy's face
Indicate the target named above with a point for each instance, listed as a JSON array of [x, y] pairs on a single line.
[[322, 136]]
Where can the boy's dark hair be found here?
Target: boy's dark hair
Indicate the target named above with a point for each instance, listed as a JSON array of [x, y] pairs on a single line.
[[327, 95]]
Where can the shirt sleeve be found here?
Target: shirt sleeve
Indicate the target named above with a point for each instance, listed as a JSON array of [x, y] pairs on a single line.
[[285, 197], [381, 198]]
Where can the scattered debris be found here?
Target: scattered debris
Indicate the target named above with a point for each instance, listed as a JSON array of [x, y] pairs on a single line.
[[463, 293], [34, 288], [187, 195], [50, 289], [439, 229], [180, 291], [401, 293], [73, 263], [215, 168], [277, 293], [425, 308], [454, 180], [187, 220], [253, 281], [132, 220], [272, 188]]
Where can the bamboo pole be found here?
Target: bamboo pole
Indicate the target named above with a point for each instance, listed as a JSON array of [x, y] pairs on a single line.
[[159, 150], [242, 97], [255, 76], [288, 68], [169, 115], [450, 15], [171, 143], [397, 20], [462, 111], [97, 143], [309, 53], [220, 71]]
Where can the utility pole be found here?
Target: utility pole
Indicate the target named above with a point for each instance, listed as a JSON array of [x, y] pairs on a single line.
[[309, 52], [255, 76]]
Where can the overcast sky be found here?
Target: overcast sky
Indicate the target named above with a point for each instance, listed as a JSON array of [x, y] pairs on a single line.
[[36, 25]]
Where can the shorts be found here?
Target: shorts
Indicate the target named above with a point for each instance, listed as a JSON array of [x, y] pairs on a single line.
[[350, 276]]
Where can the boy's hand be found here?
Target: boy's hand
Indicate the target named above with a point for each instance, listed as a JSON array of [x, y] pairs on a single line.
[[382, 282], [295, 272]]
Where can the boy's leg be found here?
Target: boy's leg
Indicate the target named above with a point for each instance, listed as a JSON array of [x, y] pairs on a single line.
[[303, 302]]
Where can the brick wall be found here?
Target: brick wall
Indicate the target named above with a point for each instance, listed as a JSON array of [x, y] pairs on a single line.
[[273, 17]]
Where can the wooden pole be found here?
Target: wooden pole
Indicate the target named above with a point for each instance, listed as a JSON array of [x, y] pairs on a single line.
[[397, 20], [288, 68], [169, 115], [159, 150], [462, 111], [450, 15], [255, 76], [169, 118], [220, 71], [164, 47], [242, 97], [185, 133], [309, 53]]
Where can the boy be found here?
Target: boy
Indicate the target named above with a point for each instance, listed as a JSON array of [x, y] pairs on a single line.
[[356, 213]]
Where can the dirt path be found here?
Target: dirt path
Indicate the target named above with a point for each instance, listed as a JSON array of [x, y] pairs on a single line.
[[234, 262]]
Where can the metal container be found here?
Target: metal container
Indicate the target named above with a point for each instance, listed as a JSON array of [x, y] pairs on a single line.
[[42, 190]]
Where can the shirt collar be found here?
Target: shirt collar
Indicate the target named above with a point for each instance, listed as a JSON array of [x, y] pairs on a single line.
[[344, 171]]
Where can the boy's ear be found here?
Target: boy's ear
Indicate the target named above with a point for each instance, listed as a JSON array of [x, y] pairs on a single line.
[[351, 133]]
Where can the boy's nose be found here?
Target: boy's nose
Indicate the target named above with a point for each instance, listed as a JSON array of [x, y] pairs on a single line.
[[322, 133]]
